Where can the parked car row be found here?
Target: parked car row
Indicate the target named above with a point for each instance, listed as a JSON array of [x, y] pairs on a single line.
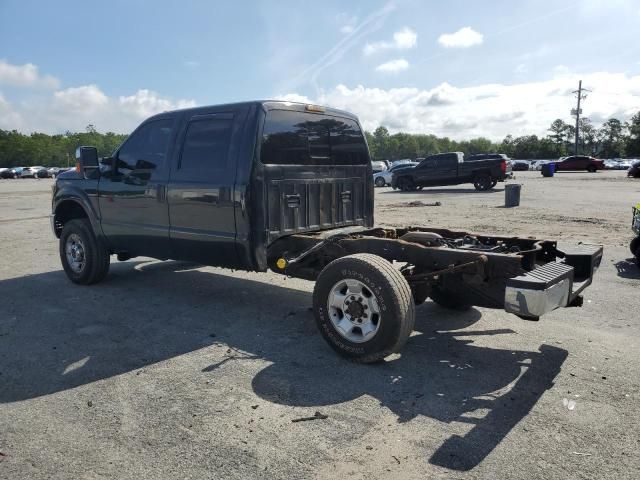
[[31, 172], [619, 164], [383, 176]]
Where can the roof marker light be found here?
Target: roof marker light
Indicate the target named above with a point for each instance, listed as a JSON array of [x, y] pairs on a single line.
[[314, 108]]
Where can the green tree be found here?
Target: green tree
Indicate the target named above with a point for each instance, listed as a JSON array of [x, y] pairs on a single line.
[[633, 140], [612, 139]]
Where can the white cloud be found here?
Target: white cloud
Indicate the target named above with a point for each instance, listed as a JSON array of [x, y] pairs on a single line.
[[463, 38], [393, 66], [402, 40], [87, 98], [521, 69], [74, 108], [145, 103], [405, 38], [26, 75], [490, 110]]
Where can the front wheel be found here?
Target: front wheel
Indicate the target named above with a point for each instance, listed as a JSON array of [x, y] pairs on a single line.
[[591, 169], [380, 182], [482, 182], [363, 307], [84, 258], [406, 185]]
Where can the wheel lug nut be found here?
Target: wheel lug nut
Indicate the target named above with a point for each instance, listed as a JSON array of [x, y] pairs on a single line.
[[352, 297]]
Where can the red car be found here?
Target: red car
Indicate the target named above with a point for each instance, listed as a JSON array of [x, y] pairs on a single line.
[[579, 162]]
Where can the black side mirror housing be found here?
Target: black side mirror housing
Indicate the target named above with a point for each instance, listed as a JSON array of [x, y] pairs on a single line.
[[87, 161]]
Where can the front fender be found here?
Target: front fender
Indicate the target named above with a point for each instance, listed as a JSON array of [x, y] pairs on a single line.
[[86, 198]]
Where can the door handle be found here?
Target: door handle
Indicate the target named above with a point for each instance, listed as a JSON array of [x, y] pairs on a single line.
[[161, 193], [346, 196]]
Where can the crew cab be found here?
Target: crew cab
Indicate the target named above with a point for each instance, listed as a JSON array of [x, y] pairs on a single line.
[[451, 169], [579, 162], [289, 187]]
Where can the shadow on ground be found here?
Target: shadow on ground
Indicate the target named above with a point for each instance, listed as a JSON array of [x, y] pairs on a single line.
[[628, 268], [441, 191], [56, 336]]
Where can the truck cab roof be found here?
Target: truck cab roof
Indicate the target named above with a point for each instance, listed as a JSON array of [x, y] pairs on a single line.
[[265, 105]]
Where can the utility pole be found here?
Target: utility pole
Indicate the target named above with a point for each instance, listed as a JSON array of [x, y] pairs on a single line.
[[580, 96]]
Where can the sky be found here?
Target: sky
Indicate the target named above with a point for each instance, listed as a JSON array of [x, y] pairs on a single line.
[[460, 68]]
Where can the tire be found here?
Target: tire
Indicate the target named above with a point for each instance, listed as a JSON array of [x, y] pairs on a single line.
[[494, 183], [371, 284], [482, 182], [448, 300], [92, 257], [591, 169], [634, 246], [406, 184], [380, 182]]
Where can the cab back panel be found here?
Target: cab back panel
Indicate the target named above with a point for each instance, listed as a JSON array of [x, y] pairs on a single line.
[[314, 171], [301, 199]]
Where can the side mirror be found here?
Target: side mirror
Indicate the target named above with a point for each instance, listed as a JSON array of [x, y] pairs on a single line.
[[87, 161]]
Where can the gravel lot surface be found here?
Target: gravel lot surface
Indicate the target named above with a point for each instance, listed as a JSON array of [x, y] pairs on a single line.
[[170, 370]]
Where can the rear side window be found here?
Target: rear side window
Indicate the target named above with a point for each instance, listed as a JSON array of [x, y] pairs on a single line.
[[297, 138], [206, 144]]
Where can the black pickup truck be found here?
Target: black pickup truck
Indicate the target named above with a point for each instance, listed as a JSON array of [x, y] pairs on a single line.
[[288, 187], [451, 169]]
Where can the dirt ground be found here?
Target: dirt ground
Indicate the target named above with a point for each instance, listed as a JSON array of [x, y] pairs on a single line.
[[169, 370]]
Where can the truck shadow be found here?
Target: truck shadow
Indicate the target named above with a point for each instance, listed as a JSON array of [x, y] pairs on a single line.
[[55, 336], [628, 269], [440, 191]]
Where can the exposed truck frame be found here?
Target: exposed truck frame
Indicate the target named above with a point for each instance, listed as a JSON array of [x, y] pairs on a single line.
[[310, 218]]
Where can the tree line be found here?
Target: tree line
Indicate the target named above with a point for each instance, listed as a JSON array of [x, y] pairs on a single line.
[[613, 139], [20, 150]]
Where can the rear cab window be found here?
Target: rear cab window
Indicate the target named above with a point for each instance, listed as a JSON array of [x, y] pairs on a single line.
[[301, 138]]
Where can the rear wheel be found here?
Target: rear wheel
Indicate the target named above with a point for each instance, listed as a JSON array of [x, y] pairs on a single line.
[[363, 307], [380, 182], [634, 246], [482, 182], [84, 258], [494, 183]]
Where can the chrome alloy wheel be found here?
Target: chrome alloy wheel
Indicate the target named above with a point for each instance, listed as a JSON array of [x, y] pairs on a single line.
[[74, 249], [354, 311]]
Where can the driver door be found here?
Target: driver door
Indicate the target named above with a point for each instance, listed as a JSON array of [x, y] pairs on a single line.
[[133, 196]]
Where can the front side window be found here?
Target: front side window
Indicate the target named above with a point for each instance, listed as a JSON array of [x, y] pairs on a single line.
[[206, 144], [297, 138], [146, 148]]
